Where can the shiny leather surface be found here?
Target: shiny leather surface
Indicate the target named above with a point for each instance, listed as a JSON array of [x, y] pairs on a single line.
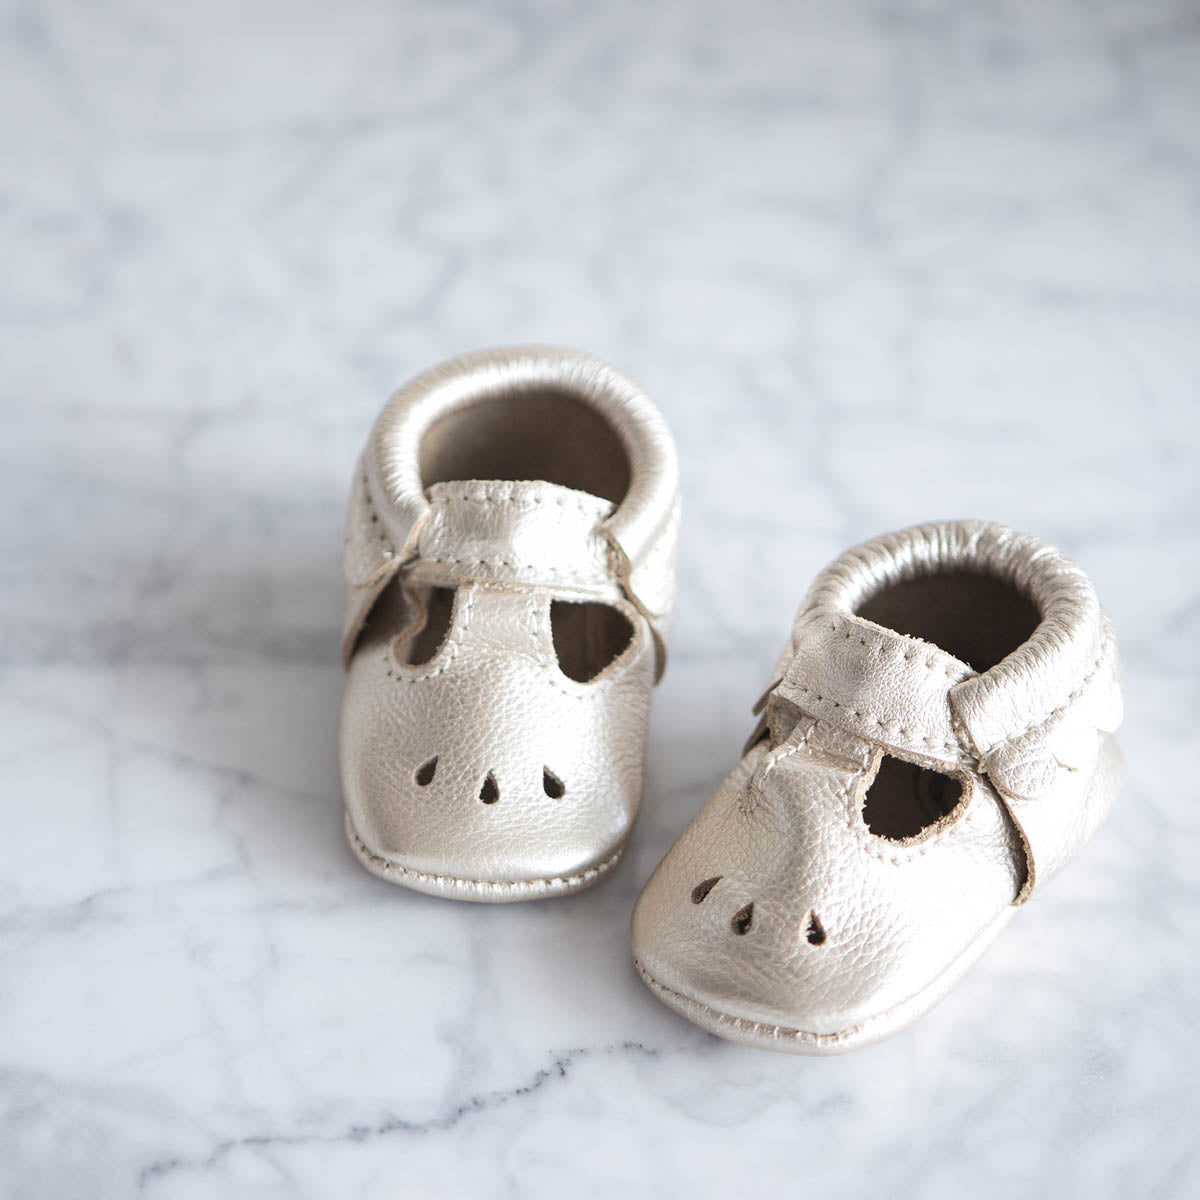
[[493, 702], [853, 935]]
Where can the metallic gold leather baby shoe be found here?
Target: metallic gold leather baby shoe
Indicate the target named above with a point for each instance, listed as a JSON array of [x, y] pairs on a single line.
[[510, 561], [934, 746]]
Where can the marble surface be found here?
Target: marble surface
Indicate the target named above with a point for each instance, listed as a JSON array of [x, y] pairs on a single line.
[[876, 262]]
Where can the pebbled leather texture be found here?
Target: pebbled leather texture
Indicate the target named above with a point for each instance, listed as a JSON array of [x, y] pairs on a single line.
[[484, 771], [797, 911]]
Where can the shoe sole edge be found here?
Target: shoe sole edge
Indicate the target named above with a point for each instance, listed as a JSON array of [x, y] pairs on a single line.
[[486, 891]]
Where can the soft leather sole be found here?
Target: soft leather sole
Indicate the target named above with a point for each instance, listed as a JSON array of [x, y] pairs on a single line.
[[789, 1040], [485, 891]]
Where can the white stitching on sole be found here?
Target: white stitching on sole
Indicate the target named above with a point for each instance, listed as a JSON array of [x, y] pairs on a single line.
[[874, 1028], [756, 1028], [498, 885]]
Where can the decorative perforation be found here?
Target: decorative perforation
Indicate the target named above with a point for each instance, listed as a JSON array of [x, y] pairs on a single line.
[[489, 792]]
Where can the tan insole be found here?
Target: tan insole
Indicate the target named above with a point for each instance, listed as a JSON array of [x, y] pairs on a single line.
[[544, 435], [978, 618]]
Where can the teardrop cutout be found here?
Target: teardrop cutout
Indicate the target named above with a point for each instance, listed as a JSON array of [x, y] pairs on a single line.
[[701, 890], [743, 919], [425, 772], [552, 785], [816, 931], [490, 792]]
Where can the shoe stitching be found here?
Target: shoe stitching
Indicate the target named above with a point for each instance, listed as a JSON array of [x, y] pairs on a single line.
[[1092, 673], [904, 731], [761, 1028], [374, 530], [586, 577], [509, 494], [754, 793], [402, 673], [612, 675], [780, 1032], [495, 884], [378, 531], [951, 668], [512, 564]]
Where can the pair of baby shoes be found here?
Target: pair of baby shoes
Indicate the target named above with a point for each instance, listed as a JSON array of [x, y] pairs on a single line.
[[934, 742]]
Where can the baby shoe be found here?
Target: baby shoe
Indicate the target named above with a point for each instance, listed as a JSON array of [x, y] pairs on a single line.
[[510, 561], [934, 746]]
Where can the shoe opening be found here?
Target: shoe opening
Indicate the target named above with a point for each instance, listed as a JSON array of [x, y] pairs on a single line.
[[415, 621], [587, 637], [904, 799], [535, 434], [980, 619], [429, 639]]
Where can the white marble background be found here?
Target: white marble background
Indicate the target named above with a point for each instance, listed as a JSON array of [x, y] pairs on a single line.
[[877, 263]]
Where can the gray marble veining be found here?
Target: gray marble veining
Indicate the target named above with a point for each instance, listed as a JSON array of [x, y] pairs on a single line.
[[820, 236]]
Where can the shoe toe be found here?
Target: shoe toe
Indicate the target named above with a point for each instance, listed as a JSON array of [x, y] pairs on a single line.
[[490, 781]]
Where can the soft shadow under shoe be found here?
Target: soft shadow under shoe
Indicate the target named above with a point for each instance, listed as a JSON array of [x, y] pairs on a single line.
[[934, 746], [510, 560]]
